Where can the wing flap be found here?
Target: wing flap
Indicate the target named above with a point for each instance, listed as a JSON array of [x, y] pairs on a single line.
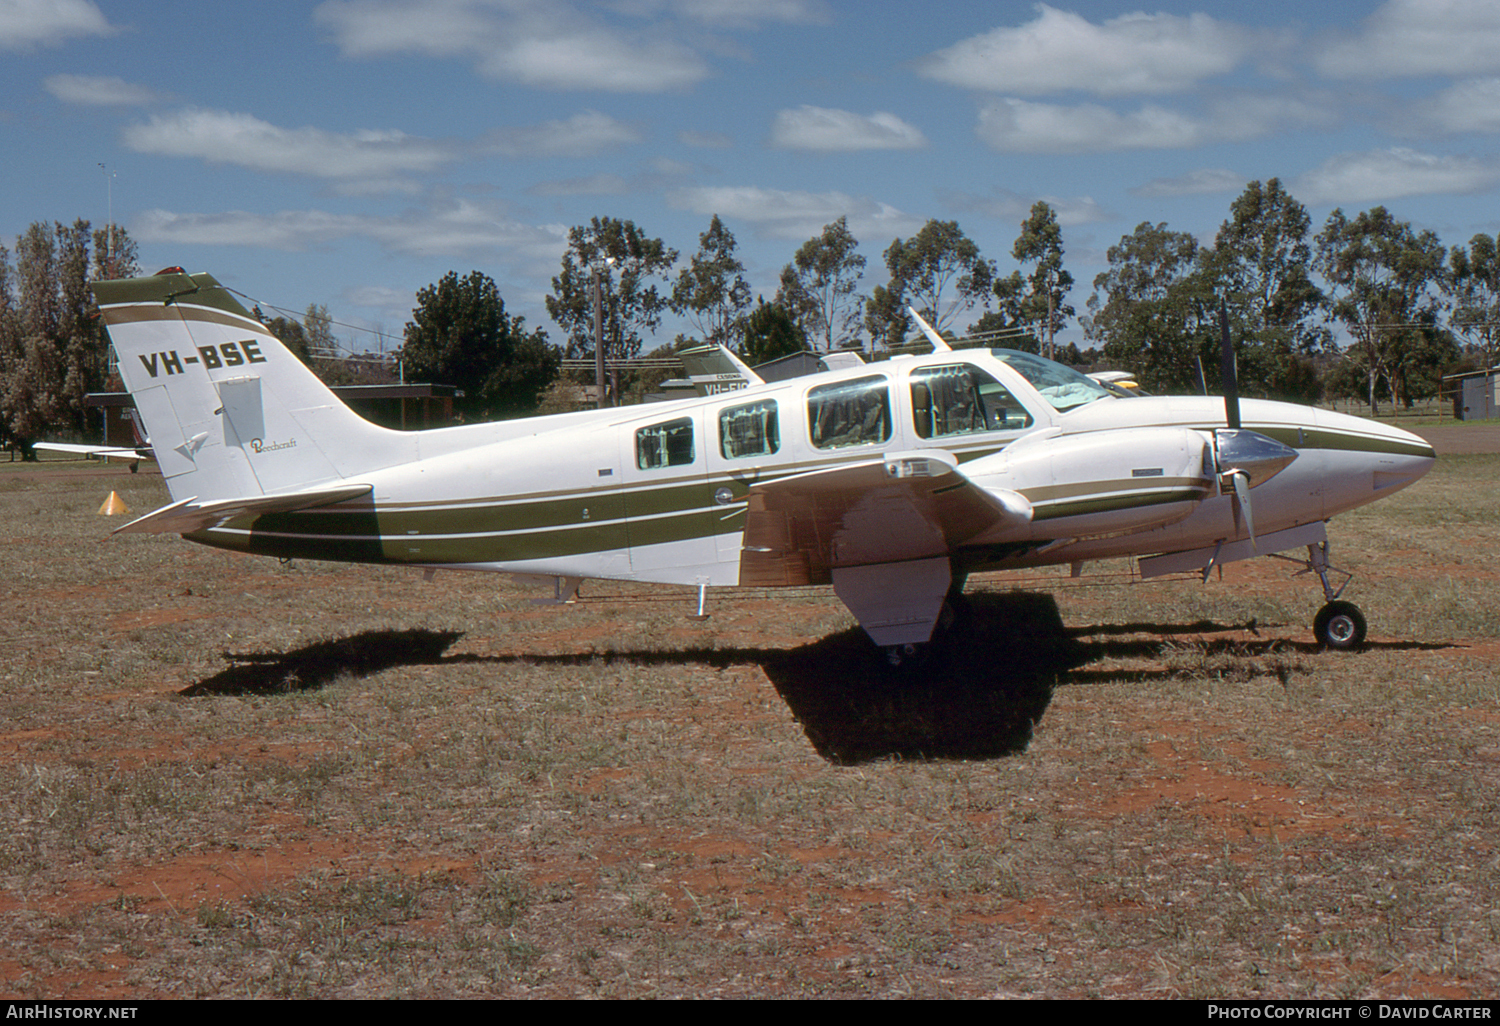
[[903, 506], [189, 515]]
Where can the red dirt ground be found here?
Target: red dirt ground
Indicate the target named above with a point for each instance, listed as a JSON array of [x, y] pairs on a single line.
[[1238, 794]]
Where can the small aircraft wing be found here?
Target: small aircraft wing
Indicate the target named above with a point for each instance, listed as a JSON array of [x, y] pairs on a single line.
[[904, 506], [190, 515]]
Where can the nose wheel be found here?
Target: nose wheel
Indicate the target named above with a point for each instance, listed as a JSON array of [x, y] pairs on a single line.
[[1340, 625]]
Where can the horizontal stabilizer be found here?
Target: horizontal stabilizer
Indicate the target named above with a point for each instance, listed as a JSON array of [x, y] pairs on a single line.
[[190, 515], [104, 452]]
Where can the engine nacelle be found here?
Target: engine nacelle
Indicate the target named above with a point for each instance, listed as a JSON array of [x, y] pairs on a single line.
[[1101, 483]]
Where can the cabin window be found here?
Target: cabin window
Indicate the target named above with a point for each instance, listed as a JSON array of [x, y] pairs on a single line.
[[749, 430], [664, 445], [854, 412], [960, 399]]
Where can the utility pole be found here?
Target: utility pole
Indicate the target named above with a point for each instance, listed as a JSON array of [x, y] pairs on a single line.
[[598, 341], [599, 335], [109, 232]]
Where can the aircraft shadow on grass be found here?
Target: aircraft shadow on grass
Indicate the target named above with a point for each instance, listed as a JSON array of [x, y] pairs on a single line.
[[976, 695]]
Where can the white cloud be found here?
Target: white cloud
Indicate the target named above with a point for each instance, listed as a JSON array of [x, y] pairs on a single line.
[[1013, 125], [1018, 126], [822, 130], [1419, 37], [583, 135], [379, 297], [545, 44], [741, 13], [1469, 106], [1006, 205], [705, 140], [595, 58], [222, 137], [590, 185], [794, 214], [1205, 181], [1378, 175], [28, 23], [1060, 51], [455, 229], [99, 91]]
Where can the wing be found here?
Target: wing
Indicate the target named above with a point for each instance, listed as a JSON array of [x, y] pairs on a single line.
[[189, 515], [903, 506]]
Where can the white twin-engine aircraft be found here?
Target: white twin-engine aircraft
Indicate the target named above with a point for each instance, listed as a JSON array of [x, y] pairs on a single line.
[[892, 481]]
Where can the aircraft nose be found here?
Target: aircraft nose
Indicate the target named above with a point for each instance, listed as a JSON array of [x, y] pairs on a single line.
[[1407, 458]]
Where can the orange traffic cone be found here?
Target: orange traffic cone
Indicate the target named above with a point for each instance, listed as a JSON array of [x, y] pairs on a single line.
[[113, 506]]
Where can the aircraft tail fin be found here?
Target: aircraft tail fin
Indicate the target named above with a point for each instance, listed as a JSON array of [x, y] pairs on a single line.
[[714, 369], [230, 411]]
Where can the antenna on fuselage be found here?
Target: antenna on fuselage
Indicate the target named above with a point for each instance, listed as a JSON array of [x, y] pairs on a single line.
[[939, 344]]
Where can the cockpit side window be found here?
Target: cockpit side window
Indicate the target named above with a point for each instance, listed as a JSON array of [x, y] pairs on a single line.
[[1065, 388], [854, 412], [961, 399], [665, 445], [749, 430]]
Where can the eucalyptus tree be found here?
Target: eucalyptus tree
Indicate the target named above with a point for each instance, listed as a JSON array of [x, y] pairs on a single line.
[[711, 291], [1040, 298], [317, 326], [819, 288], [115, 254], [1153, 310], [938, 271], [52, 350], [1261, 267], [1383, 278], [627, 264], [1473, 285]]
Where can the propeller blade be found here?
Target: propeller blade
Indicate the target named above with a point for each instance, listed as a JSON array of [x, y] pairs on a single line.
[[1228, 371], [1242, 492]]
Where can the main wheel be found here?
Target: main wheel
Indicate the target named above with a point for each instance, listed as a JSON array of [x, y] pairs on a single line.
[[902, 656], [1340, 625]]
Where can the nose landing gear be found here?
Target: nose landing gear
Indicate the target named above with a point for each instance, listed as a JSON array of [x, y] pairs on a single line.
[[1338, 625]]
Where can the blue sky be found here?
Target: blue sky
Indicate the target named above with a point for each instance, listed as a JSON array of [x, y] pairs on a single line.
[[351, 152]]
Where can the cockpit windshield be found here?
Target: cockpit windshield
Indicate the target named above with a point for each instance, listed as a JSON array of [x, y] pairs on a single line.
[[1063, 387]]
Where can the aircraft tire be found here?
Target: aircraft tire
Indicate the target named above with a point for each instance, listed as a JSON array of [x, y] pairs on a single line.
[[1340, 625], [904, 658]]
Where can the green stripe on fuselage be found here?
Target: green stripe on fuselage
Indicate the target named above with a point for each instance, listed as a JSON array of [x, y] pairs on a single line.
[[488, 531], [1339, 441]]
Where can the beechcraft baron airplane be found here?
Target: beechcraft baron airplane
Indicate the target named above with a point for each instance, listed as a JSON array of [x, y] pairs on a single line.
[[893, 481]]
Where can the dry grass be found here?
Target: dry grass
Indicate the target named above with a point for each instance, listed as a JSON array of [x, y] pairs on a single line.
[[224, 777]]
